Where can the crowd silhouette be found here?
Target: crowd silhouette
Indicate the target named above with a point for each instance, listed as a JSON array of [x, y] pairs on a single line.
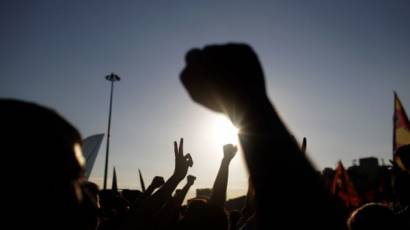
[[227, 79]]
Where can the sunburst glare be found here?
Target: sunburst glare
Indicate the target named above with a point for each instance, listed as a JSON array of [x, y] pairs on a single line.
[[223, 131]]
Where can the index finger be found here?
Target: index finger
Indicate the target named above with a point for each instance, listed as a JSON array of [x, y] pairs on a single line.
[[181, 146]]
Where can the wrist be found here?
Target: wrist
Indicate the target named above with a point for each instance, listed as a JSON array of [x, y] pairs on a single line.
[[189, 184], [226, 160], [176, 178], [257, 117]]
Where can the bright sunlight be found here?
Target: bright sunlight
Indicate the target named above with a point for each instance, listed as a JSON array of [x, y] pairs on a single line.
[[223, 131]]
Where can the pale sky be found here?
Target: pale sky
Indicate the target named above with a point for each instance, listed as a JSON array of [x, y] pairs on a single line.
[[331, 68]]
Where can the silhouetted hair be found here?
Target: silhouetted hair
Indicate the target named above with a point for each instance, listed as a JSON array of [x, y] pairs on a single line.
[[402, 157], [402, 188], [39, 139], [41, 166], [372, 216]]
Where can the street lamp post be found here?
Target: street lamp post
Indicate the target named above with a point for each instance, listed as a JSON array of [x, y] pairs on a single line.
[[112, 78]]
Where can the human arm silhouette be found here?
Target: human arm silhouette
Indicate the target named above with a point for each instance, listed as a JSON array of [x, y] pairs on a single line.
[[169, 214], [249, 207], [157, 182], [229, 79], [180, 196], [218, 195], [145, 215], [182, 163]]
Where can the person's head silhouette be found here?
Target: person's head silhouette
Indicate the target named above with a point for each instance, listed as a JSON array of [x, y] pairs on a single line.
[[201, 215], [372, 216], [42, 165]]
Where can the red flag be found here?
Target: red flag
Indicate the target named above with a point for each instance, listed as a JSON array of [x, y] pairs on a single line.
[[401, 127], [343, 187]]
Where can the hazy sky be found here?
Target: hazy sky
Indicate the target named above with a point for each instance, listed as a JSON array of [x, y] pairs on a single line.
[[331, 68]]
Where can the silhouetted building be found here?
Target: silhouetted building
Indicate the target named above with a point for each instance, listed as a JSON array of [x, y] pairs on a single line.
[[371, 180], [370, 165]]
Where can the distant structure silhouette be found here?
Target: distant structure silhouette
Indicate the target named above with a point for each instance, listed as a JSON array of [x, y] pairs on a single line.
[[112, 78], [91, 146]]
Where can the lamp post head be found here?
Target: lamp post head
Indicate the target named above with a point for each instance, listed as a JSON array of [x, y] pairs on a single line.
[[112, 77]]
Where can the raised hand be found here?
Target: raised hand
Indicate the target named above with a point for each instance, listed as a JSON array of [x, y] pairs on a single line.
[[190, 179], [157, 182], [229, 79], [182, 162], [229, 151], [218, 195], [224, 77]]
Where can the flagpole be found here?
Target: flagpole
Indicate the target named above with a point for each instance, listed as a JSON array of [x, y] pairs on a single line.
[[141, 181], [112, 78], [114, 186], [394, 122]]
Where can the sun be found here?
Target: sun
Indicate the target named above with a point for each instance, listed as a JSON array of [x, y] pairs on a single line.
[[224, 131]]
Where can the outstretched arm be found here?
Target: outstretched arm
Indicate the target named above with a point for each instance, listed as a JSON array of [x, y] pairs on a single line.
[[157, 182], [141, 217], [182, 163], [218, 196], [249, 207], [169, 214], [229, 79], [180, 196]]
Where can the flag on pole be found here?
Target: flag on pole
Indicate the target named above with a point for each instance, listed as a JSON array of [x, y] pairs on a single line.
[[401, 125], [114, 181], [141, 181], [343, 187]]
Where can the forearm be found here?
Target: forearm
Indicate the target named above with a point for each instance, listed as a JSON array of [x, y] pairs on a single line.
[[143, 197], [218, 195], [164, 193], [149, 191], [168, 215], [274, 158], [179, 198]]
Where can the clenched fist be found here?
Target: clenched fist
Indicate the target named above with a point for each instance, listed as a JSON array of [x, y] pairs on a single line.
[[224, 78], [229, 151]]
